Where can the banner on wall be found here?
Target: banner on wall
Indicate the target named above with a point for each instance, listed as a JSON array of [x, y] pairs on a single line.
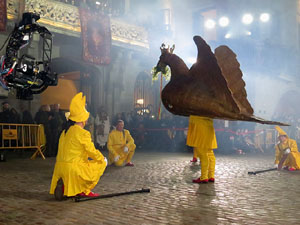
[[3, 15], [96, 36]]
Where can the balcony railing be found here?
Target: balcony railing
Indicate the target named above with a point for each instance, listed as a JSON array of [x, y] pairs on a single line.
[[115, 8], [64, 18]]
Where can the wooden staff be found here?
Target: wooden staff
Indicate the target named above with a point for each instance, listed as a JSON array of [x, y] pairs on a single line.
[[81, 199], [261, 171]]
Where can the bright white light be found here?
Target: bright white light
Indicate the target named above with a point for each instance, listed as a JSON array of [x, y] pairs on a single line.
[[248, 33], [26, 37], [140, 101], [224, 21], [210, 24], [191, 60], [264, 17], [97, 3], [247, 19], [228, 35]]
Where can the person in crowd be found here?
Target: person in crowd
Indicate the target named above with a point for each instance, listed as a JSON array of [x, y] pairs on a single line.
[[120, 145], [79, 165], [15, 116], [139, 134], [102, 125], [286, 152], [116, 118], [44, 117], [38, 114], [90, 125], [26, 116], [201, 136], [56, 125], [6, 115]]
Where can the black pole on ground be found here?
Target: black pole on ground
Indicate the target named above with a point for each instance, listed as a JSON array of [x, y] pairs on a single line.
[[261, 171], [81, 199]]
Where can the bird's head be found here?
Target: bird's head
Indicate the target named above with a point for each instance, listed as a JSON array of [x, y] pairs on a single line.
[[161, 66]]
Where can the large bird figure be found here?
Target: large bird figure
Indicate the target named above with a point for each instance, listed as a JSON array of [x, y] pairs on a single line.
[[213, 87]]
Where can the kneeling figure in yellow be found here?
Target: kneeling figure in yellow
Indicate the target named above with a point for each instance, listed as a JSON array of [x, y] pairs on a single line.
[[75, 173], [287, 153], [120, 145]]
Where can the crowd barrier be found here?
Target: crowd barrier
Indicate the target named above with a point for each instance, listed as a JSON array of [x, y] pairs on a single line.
[[23, 136]]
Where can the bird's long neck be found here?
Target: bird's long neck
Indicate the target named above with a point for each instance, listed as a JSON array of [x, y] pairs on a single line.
[[177, 65]]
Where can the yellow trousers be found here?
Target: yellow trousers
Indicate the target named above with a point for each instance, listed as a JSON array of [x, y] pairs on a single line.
[[208, 162], [124, 157]]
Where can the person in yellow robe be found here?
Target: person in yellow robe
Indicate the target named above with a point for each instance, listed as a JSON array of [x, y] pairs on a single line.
[[201, 136], [286, 152], [120, 145], [74, 172]]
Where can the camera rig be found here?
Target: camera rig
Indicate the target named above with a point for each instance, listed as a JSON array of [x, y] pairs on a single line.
[[23, 72]]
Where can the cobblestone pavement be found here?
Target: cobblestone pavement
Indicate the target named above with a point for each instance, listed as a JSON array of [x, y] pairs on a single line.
[[235, 197]]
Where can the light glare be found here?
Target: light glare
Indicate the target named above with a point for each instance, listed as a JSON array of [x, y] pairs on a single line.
[[228, 35], [224, 21], [210, 24], [247, 19], [264, 17], [140, 101]]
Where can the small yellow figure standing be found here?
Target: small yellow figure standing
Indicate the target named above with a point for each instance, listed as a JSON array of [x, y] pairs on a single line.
[[201, 136]]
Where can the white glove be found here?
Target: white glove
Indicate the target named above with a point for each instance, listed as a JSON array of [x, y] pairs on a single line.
[[117, 157], [105, 160], [287, 151], [125, 149], [275, 165]]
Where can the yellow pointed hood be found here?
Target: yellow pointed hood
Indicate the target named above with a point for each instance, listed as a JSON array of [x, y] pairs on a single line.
[[78, 111], [280, 131]]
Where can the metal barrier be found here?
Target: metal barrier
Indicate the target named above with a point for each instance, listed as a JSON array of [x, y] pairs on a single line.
[[266, 138], [23, 136]]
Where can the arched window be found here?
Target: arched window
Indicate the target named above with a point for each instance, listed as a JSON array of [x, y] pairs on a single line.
[[144, 94]]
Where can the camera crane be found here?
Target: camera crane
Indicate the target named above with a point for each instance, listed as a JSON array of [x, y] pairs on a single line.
[[25, 74]]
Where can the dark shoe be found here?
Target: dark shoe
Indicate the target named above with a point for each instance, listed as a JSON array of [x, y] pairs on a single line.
[[211, 179], [199, 181], [129, 164], [194, 160], [59, 190]]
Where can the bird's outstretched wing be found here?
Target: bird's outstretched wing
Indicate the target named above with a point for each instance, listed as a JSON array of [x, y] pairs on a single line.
[[207, 73], [230, 68]]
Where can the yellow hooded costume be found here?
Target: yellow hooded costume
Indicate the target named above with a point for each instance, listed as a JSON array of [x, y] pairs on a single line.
[[293, 158], [201, 136], [79, 174], [117, 140]]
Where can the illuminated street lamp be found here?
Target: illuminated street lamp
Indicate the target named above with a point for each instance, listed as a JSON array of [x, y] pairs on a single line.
[[247, 19], [210, 24], [223, 21], [140, 101], [264, 17]]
